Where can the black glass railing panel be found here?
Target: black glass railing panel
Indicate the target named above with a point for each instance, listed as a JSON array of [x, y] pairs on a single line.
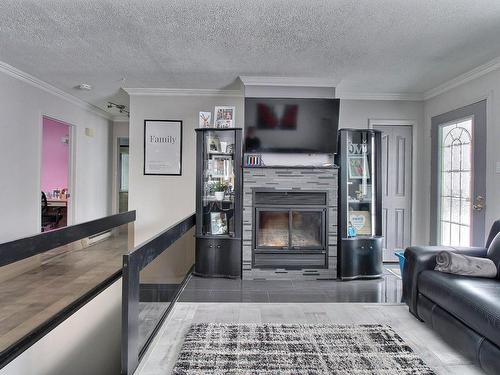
[[43, 285]]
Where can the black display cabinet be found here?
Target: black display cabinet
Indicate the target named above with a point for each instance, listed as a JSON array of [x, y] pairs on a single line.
[[359, 248], [218, 202]]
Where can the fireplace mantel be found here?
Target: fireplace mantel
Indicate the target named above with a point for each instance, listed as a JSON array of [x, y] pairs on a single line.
[[293, 179]]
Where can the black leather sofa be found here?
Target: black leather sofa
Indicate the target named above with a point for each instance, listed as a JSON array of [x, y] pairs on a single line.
[[464, 310]]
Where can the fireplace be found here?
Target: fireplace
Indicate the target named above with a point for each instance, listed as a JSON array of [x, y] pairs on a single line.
[[289, 229]]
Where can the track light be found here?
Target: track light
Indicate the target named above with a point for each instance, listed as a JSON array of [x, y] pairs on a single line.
[[122, 108]]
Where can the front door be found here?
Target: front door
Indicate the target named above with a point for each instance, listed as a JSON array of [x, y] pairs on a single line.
[[396, 188], [458, 176]]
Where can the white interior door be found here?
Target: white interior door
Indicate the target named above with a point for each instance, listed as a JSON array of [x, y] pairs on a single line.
[[396, 188]]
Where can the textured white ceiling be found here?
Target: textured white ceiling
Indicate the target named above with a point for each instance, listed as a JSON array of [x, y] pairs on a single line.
[[366, 45]]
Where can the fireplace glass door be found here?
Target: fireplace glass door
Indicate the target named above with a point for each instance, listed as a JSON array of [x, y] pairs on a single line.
[[290, 229], [273, 228], [307, 229]]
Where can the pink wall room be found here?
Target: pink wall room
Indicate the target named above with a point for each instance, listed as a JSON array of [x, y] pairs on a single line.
[[55, 155]]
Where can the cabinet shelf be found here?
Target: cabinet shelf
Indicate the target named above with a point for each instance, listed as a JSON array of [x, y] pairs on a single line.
[[359, 246], [218, 222]]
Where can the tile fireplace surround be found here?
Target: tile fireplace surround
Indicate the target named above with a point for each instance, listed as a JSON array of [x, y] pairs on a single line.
[[293, 179]]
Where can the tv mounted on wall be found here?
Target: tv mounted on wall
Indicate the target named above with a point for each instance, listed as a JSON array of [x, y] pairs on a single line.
[[289, 125]]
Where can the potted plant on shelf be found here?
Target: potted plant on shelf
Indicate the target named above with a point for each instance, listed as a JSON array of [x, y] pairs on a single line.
[[219, 189]]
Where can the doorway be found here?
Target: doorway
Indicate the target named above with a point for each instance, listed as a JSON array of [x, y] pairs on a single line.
[[458, 176], [123, 158], [55, 174], [397, 142]]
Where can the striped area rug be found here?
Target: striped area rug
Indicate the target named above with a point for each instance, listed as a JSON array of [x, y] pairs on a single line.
[[285, 349]]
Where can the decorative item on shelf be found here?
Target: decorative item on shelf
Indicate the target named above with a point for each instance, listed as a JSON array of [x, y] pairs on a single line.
[[361, 221], [223, 146], [351, 231], [359, 167], [218, 223], [205, 119], [224, 117], [359, 195], [367, 191], [252, 160], [219, 189], [213, 143], [230, 148], [163, 147], [220, 166]]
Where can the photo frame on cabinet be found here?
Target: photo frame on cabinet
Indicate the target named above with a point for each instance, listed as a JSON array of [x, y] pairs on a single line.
[[359, 167], [218, 223], [163, 147], [224, 117], [361, 221], [205, 119]]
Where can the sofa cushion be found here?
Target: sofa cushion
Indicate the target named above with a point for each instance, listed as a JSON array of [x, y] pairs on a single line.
[[474, 301], [494, 252]]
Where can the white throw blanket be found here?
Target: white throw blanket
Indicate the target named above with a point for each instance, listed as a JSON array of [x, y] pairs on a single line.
[[449, 262]]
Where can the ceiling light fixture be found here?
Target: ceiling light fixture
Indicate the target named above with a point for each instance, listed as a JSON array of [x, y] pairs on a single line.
[[121, 107]]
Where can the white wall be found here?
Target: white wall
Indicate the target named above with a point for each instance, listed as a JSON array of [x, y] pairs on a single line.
[[79, 345], [357, 113], [22, 107], [161, 201], [485, 87]]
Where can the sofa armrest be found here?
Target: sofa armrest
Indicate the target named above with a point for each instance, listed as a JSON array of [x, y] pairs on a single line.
[[421, 258]]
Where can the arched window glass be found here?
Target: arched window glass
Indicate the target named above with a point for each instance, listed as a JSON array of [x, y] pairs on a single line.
[[455, 197]]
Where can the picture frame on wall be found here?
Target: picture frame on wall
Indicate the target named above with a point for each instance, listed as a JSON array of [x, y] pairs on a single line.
[[224, 116], [163, 147], [359, 167]]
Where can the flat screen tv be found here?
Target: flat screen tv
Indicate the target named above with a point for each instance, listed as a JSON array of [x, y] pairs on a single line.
[[288, 125]]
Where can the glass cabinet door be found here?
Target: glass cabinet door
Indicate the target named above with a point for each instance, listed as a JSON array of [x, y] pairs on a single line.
[[218, 186], [360, 184]]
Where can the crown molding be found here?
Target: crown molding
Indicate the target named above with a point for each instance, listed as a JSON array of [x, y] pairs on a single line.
[[472, 74], [287, 81], [355, 95], [38, 83], [181, 92]]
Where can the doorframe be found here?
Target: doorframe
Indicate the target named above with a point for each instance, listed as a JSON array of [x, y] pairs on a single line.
[[437, 122], [118, 175], [71, 208], [451, 105], [412, 124]]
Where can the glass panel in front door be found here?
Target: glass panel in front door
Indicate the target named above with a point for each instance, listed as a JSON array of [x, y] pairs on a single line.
[[455, 183]]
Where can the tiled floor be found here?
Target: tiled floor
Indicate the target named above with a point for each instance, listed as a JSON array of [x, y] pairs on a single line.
[[385, 290], [443, 359]]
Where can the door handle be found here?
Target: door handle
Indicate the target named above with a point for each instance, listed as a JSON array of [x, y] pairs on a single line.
[[478, 203]]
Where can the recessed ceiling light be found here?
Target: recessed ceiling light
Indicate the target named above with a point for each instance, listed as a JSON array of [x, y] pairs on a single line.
[[85, 86]]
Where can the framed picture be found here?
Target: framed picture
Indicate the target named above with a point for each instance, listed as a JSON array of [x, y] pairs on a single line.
[[361, 220], [213, 143], [163, 147], [218, 223], [359, 167], [205, 119], [224, 117], [218, 166]]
